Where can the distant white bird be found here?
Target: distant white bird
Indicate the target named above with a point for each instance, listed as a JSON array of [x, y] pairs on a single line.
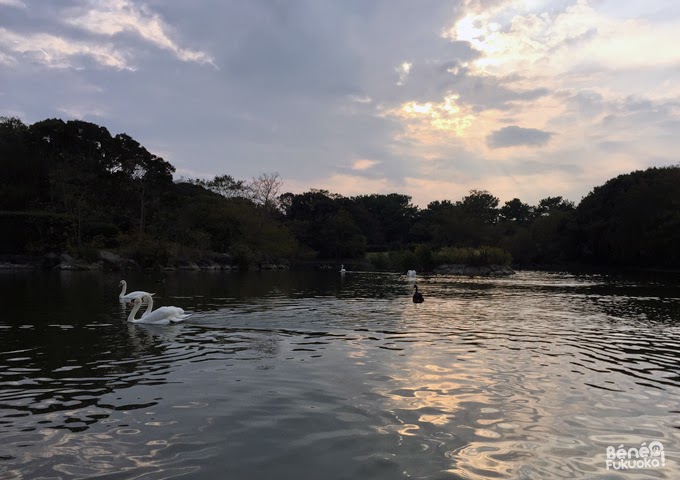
[[160, 316], [411, 273], [132, 295], [342, 269]]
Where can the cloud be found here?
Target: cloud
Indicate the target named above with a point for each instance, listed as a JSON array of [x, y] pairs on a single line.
[[105, 23], [309, 88], [364, 164], [13, 3], [543, 38], [403, 70], [81, 111], [56, 52], [513, 136], [115, 17], [360, 98]]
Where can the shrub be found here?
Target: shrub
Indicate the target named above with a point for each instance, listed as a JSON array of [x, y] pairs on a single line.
[[378, 261], [402, 260], [146, 250], [243, 255], [472, 256]]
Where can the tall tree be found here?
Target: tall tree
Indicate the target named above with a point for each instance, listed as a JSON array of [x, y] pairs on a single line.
[[265, 190], [516, 211], [481, 205]]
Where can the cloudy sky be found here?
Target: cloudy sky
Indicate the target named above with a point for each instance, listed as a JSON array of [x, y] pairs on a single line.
[[431, 98]]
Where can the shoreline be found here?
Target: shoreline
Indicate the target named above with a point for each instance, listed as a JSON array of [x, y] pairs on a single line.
[[110, 262]]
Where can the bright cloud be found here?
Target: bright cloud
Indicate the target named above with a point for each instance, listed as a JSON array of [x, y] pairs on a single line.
[[364, 164], [56, 52], [120, 16], [403, 70], [422, 118], [516, 38]]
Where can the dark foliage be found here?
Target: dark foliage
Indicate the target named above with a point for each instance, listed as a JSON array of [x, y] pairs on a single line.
[[73, 186]]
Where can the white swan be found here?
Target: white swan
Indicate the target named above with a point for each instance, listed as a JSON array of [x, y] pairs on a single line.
[[160, 316], [132, 295], [411, 273], [342, 269]]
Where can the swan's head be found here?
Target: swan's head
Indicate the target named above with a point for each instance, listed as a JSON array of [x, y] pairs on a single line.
[[121, 283], [136, 301]]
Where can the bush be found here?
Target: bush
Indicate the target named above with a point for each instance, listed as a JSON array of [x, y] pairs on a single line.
[[243, 256], [378, 261], [402, 261], [101, 234], [34, 232], [472, 256], [147, 251], [424, 257]]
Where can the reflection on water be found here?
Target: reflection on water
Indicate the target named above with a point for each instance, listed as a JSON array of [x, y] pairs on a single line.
[[302, 375]]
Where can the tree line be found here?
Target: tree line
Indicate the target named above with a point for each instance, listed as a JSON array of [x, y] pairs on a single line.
[[72, 186]]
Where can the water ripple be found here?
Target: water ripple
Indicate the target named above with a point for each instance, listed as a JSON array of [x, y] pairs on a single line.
[[526, 377]]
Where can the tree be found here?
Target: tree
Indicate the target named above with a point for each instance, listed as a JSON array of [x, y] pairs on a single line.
[[224, 185], [516, 211], [24, 174], [264, 190], [550, 205], [633, 219], [481, 205], [385, 219], [146, 173]]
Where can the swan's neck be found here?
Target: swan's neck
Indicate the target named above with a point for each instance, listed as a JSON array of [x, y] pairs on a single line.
[[131, 317], [149, 305], [122, 291]]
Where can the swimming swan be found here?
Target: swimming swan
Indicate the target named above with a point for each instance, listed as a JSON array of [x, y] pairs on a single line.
[[160, 316], [132, 295], [342, 269], [417, 296], [411, 273]]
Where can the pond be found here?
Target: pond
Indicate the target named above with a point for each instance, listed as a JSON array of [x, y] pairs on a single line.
[[307, 375]]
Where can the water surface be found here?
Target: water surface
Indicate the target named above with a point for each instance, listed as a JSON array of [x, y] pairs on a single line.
[[293, 375]]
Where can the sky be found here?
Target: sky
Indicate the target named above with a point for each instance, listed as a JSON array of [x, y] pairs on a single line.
[[429, 98]]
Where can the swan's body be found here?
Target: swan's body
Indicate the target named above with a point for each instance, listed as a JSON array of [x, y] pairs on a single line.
[[411, 273], [132, 295], [160, 316], [342, 269], [417, 296]]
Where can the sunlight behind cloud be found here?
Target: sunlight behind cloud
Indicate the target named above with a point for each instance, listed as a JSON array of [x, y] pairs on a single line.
[[446, 115], [517, 38]]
